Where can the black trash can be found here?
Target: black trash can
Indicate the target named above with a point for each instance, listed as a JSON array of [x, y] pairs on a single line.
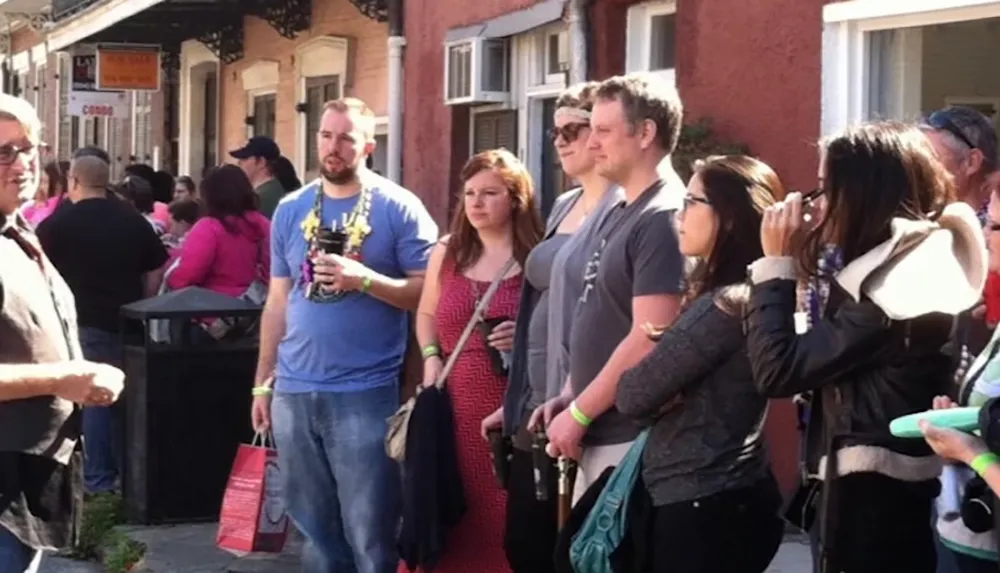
[[187, 404]]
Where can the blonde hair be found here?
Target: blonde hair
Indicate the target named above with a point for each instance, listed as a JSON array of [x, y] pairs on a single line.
[[364, 115], [17, 109]]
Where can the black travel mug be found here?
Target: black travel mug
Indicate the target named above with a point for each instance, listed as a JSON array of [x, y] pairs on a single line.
[[330, 241], [541, 464]]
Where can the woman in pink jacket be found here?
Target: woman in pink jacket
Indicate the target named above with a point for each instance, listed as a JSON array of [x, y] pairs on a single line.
[[228, 248]]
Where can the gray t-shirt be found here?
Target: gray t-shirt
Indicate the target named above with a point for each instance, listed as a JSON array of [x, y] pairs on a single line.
[[637, 255], [538, 272]]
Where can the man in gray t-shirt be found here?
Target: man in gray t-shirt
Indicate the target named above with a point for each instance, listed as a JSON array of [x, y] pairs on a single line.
[[640, 257], [634, 279]]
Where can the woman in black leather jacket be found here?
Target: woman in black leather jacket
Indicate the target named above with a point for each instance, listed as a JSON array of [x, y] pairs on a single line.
[[913, 260]]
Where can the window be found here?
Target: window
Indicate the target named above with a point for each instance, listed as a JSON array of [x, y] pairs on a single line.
[[94, 132], [651, 38], [40, 100], [321, 72], [264, 114], [142, 140], [380, 158], [553, 180], [495, 130], [556, 57], [209, 154], [662, 37], [319, 90], [69, 127]]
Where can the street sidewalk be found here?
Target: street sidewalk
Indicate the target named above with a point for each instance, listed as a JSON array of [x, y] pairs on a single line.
[[191, 549]]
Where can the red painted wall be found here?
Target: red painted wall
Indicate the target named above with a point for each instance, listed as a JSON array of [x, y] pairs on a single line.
[[752, 66], [436, 136]]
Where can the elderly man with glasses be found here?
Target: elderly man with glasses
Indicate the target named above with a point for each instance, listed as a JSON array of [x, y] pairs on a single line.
[[42, 376]]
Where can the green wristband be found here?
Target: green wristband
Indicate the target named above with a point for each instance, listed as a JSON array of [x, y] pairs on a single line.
[[578, 415], [262, 391], [982, 462], [366, 284], [430, 350]]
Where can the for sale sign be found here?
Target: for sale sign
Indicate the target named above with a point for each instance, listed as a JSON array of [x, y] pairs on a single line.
[[85, 100]]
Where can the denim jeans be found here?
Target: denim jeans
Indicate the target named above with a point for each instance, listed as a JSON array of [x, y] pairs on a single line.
[[102, 425], [339, 487], [16, 557]]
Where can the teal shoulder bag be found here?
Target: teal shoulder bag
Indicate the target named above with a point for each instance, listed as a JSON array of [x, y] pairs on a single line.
[[604, 528]]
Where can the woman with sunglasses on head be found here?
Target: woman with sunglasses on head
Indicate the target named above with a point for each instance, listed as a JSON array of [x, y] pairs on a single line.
[[539, 364], [705, 466], [913, 259]]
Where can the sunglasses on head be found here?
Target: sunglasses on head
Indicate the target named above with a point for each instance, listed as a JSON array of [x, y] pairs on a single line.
[[940, 120], [569, 132]]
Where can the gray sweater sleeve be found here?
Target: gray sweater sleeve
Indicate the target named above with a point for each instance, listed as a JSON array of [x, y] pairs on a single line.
[[701, 339]]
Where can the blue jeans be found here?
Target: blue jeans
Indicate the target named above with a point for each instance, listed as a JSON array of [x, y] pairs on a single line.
[[16, 557], [102, 425], [340, 489]]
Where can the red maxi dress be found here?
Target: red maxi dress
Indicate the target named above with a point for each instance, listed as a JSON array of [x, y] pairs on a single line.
[[476, 544]]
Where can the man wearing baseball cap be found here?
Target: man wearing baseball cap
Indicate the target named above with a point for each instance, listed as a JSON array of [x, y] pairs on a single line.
[[257, 159], [966, 142]]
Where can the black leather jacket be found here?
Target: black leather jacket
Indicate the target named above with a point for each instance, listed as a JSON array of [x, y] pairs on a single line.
[[863, 368]]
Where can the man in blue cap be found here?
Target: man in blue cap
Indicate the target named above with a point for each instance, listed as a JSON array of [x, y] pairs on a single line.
[[257, 159]]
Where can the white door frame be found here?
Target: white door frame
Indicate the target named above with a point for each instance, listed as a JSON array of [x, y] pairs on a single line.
[[845, 46]]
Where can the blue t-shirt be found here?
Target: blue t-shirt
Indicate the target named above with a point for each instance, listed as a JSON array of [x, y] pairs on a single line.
[[356, 343]]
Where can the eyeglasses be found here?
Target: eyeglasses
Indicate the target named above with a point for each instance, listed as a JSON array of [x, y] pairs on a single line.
[[940, 120], [569, 132], [690, 200], [10, 152]]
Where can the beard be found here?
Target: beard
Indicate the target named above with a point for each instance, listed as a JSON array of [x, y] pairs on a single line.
[[343, 176]]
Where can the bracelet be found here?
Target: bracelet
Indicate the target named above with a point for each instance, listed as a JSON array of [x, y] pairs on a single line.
[[430, 351], [262, 391], [983, 461], [578, 415], [366, 284]]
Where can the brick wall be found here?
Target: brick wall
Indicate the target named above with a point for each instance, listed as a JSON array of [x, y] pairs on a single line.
[[330, 17]]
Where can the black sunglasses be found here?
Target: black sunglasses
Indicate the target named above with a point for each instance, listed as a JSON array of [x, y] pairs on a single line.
[[940, 120], [569, 132]]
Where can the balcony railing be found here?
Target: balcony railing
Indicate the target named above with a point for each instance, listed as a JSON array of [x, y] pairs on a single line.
[[63, 9]]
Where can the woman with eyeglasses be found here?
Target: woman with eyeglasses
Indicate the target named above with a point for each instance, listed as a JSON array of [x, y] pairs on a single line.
[[705, 466], [913, 259], [539, 364]]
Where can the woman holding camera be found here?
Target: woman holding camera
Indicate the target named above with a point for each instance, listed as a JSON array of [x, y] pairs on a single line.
[[715, 501], [539, 364], [878, 350], [494, 227]]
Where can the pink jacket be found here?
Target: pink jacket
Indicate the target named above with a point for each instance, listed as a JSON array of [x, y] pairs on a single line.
[[221, 261]]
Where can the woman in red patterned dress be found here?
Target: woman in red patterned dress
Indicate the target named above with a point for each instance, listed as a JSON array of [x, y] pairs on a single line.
[[496, 221]]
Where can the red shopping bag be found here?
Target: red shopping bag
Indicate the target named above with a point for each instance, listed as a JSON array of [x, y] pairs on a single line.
[[253, 517]]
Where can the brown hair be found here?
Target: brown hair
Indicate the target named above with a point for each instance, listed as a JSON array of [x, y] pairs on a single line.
[[874, 173], [738, 188], [359, 109], [57, 179], [464, 246], [579, 96], [645, 96]]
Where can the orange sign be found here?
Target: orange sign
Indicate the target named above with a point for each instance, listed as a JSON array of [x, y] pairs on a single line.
[[128, 68]]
